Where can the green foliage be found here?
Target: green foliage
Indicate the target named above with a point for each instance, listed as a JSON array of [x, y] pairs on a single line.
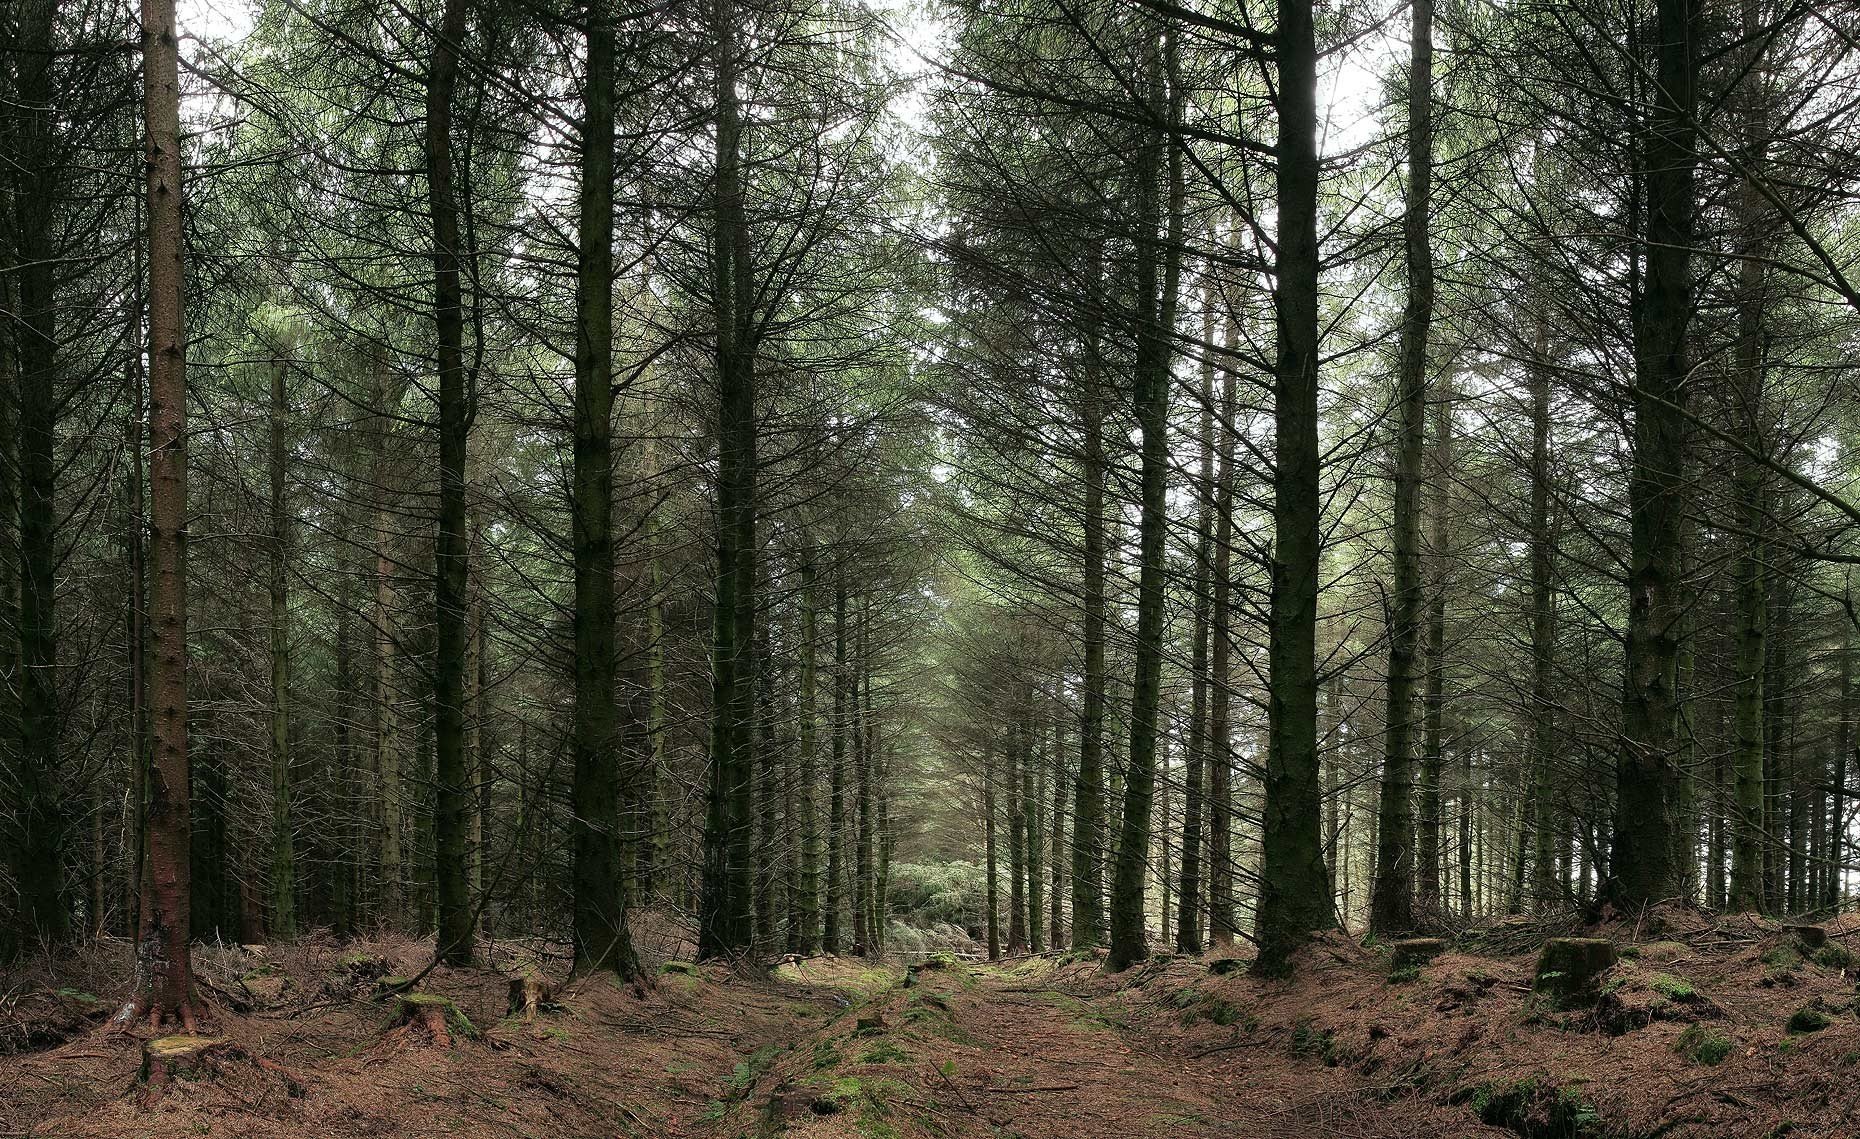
[[945, 893], [1831, 956], [826, 1055], [884, 1052], [1673, 988], [1702, 1046], [1809, 1019], [1313, 1042], [1536, 1107]]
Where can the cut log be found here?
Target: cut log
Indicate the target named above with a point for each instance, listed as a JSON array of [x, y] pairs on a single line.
[[1569, 969], [1414, 952]]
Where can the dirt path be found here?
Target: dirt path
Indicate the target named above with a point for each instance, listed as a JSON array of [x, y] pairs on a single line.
[[1039, 1052]]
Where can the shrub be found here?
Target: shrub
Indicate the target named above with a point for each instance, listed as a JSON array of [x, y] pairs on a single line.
[[1703, 1046]]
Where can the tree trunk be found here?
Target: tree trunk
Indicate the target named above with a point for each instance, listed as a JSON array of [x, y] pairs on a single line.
[[1188, 904], [1155, 334], [726, 921], [1031, 798], [1435, 710], [1391, 908], [1088, 828], [602, 940], [164, 970], [836, 791], [1642, 868], [990, 889], [1223, 928], [283, 877], [768, 843], [1295, 897], [42, 819], [1546, 821], [453, 798], [804, 935], [863, 934]]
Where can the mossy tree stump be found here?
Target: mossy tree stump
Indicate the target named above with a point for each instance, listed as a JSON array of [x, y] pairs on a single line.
[[1569, 969], [528, 994], [1414, 952], [168, 1058], [430, 1016], [1810, 937]]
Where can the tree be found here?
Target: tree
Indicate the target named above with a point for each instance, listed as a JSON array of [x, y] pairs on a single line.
[[164, 965], [602, 940], [1294, 887], [1392, 903]]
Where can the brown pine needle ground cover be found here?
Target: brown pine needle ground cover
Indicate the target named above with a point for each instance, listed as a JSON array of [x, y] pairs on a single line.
[[1727, 1027]]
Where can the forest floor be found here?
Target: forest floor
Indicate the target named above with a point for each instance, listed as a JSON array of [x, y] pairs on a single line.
[[1720, 1027]]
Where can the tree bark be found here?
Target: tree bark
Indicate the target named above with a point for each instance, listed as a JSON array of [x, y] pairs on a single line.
[[1295, 897], [453, 796], [1088, 829], [1155, 335], [1642, 868], [726, 922], [804, 937], [602, 940], [164, 970], [1188, 899], [1391, 908], [42, 820], [283, 878]]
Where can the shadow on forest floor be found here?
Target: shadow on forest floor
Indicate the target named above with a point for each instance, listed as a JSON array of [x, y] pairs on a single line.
[[1726, 1027]]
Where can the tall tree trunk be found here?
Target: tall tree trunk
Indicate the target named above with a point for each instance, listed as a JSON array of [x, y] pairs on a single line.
[[1750, 488], [389, 747], [42, 820], [1546, 822], [991, 895], [768, 843], [345, 841], [283, 877], [1155, 336], [12, 940], [452, 795], [1391, 907], [1434, 714], [1295, 897], [1843, 748], [1017, 840], [836, 779], [1088, 827], [863, 933], [1642, 868], [1188, 905], [164, 969], [1032, 763], [726, 922], [1058, 859], [804, 935], [602, 940], [1223, 928]]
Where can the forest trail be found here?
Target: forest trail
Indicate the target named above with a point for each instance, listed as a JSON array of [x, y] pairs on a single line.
[[1717, 1028]]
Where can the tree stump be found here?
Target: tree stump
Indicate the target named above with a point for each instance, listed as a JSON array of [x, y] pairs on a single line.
[[528, 994], [1811, 937], [1569, 968], [431, 1016], [1414, 952], [167, 1058]]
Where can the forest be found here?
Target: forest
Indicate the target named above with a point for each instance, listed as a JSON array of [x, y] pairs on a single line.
[[997, 568]]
